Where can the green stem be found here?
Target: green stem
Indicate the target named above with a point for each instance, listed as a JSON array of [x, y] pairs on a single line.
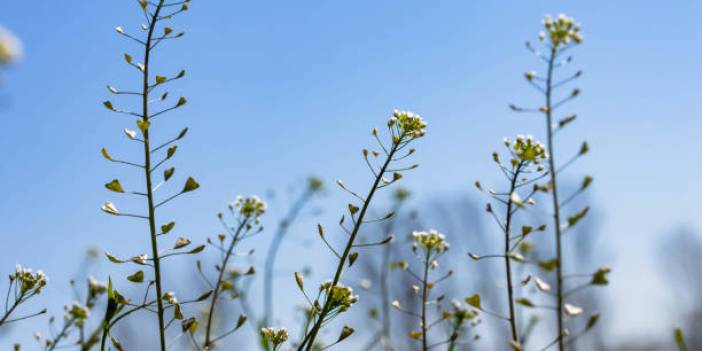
[[307, 343], [215, 292], [508, 261], [425, 298], [149, 187], [554, 193]]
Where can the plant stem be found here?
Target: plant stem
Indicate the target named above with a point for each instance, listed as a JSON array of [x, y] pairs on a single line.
[[307, 343], [508, 263], [147, 174], [60, 335], [8, 313], [425, 298], [554, 192], [215, 293], [272, 254]]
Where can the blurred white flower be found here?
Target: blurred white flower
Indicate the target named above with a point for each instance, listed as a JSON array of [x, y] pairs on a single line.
[[10, 47]]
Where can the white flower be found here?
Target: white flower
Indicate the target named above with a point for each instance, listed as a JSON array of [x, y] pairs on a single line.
[[10, 47]]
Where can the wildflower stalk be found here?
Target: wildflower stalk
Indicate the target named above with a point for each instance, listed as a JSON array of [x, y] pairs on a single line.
[[425, 300], [153, 14], [552, 171], [508, 260], [312, 335], [147, 175], [404, 128], [218, 284]]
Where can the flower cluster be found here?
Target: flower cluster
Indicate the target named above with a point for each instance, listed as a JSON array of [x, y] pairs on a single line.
[[29, 281], [430, 241], [342, 297], [408, 124], [273, 336], [10, 47], [315, 184], [96, 287], [561, 31], [458, 314], [250, 207], [529, 150], [77, 312]]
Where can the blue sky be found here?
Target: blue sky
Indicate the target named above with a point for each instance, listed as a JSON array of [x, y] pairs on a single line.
[[278, 90]]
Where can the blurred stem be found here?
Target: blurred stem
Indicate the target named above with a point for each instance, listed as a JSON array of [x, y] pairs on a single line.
[[554, 193], [425, 298], [508, 263], [272, 254], [385, 286], [147, 174], [215, 292], [309, 339]]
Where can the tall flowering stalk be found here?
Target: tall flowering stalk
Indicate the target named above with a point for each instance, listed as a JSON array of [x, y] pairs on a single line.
[[23, 285], [524, 168], [247, 212], [428, 247], [155, 14], [404, 128], [559, 36]]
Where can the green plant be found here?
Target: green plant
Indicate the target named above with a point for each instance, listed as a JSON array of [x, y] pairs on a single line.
[[156, 33], [23, 286], [404, 128], [523, 169], [559, 36], [247, 212], [428, 247]]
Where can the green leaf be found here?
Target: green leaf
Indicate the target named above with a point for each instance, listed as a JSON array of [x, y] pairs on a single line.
[[143, 125], [586, 182], [574, 219], [592, 321], [167, 227], [108, 105], [524, 302], [111, 303], [584, 148], [177, 313], [526, 229], [346, 331], [204, 296], [352, 258], [128, 58], [181, 74], [105, 154], [167, 30], [171, 151], [549, 265], [137, 277], [353, 209], [190, 185], [242, 319], [160, 79], [600, 277], [168, 173], [680, 339], [182, 101], [115, 186], [197, 249], [182, 133], [113, 259], [474, 301]]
